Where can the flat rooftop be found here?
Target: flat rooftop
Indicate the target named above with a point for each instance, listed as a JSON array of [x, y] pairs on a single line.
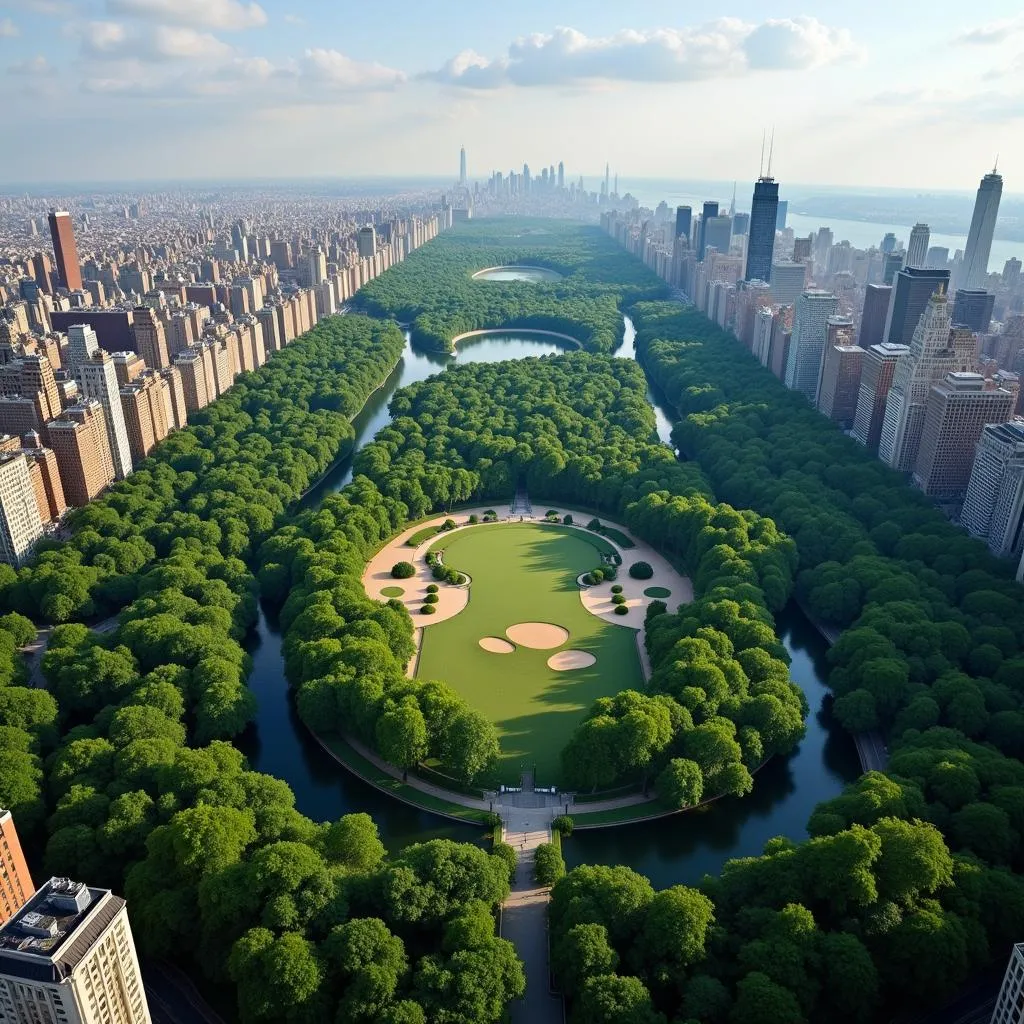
[[51, 934]]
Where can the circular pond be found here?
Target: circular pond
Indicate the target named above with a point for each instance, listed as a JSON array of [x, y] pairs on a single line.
[[534, 275]]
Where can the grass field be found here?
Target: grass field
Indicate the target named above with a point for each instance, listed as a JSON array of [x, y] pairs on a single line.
[[525, 572]]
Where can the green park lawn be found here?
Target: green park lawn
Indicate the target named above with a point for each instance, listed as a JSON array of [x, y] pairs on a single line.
[[525, 572]]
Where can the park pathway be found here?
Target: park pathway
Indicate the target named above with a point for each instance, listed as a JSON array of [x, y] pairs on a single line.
[[524, 915]]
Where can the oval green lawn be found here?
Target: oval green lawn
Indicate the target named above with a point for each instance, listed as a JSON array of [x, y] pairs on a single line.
[[526, 572], [657, 592], [391, 591]]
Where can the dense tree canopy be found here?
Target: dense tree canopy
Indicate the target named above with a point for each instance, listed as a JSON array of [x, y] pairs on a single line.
[[434, 291]]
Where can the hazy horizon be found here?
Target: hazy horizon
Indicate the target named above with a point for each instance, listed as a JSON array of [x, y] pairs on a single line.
[[205, 89]]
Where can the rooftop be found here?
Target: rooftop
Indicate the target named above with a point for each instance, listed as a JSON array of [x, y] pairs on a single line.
[[51, 934]]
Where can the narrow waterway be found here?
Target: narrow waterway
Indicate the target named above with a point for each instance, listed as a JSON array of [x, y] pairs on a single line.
[[677, 849]]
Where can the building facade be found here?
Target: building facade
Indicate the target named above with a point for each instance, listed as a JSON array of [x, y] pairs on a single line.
[[68, 957], [956, 413], [807, 347], [974, 269], [16, 886], [761, 240], [65, 251], [994, 503], [912, 288], [840, 383], [20, 523], [877, 370], [99, 381]]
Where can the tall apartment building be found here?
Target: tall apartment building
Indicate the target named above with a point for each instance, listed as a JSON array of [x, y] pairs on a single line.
[[65, 251], [193, 379], [45, 475], [872, 319], [128, 366], [99, 381], [37, 379], [68, 957], [935, 350], [20, 523], [840, 383], [788, 281], [877, 370], [180, 333], [912, 288], [956, 413], [267, 317], [709, 210], [83, 344], [79, 441], [145, 413], [366, 241], [810, 328], [174, 397], [994, 503], [150, 337], [16, 886]]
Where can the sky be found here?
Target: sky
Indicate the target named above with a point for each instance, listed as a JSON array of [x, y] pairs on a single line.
[[876, 93]]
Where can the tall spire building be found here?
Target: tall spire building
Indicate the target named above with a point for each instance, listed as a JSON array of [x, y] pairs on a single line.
[[983, 227], [761, 241], [462, 166], [917, 247]]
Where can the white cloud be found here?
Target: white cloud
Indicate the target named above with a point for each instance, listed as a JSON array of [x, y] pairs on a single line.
[[37, 65], [333, 69], [993, 32], [8, 30], [113, 39], [721, 48], [225, 15]]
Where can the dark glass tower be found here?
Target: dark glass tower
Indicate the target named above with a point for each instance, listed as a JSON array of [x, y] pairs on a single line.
[[710, 210], [764, 211], [912, 289], [684, 218]]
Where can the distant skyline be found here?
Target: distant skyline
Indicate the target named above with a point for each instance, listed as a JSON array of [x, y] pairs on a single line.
[[124, 90]]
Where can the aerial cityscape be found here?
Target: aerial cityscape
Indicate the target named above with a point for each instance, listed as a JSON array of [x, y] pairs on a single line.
[[571, 569]]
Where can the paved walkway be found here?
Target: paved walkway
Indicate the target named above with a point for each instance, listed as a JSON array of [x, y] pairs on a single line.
[[524, 918]]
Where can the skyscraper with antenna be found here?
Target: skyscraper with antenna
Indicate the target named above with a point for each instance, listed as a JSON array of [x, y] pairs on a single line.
[[983, 227], [462, 166], [764, 209]]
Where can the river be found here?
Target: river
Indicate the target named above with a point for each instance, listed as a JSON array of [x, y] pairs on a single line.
[[677, 849]]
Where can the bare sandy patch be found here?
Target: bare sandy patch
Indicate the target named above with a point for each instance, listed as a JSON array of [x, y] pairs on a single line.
[[496, 645], [541, 636], [565, 660]]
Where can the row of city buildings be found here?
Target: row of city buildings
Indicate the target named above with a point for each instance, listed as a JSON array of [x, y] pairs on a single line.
[[102, 359], [873, 339]]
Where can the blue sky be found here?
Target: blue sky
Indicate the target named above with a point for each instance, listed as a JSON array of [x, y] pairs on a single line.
[[873, 93]]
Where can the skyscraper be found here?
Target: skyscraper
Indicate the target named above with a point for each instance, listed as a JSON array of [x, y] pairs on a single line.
[[64, 250], [684, 221], [810, 328], [462, 166], [20, 523], [16, 886], [891, 266], [68, 956], [780, 215], [788, 281], [994, 503], [912, 289], [956, 413], [366, 241], [973, 309], [718, 234], [763, 216], [840, 383], [935, 350], [875, 380], [82, 346], [99, 381], [917, 247], [872, 319], [561, 174], [150, 337], [710, 210], [979, 238]]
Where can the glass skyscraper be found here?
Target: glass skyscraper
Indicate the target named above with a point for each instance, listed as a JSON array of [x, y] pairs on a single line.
[[761, 241]]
